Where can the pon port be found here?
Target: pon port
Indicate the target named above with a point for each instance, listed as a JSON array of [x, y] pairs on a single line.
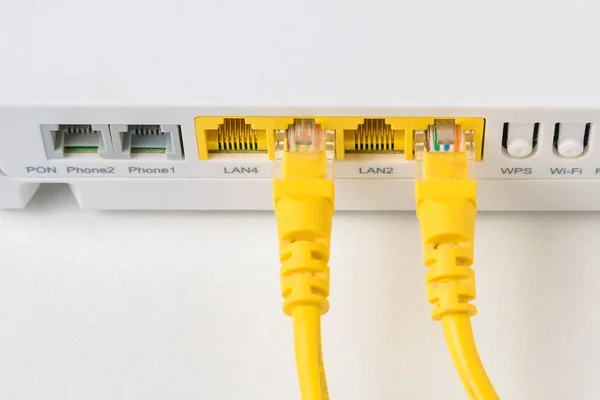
[[147, 141], [76, 140]]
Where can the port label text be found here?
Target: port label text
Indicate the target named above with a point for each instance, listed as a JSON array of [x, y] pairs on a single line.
[[376, 170], [152, 171], [86, 171], [41, 170], [240, 170], [567, 171], [516, 171]]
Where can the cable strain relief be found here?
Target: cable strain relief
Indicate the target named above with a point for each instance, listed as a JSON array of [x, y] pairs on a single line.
[[304, 276], [304, 290], [450, 285], [290, 304], [462, 308]]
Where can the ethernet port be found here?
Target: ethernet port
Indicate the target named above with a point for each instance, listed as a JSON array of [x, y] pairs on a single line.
[[374, 136], [249, 135], [234, 135], [395, 135], [162, 141], [63, 141]]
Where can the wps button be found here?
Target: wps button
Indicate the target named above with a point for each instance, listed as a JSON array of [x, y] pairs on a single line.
[[519, 139], [519, 147]]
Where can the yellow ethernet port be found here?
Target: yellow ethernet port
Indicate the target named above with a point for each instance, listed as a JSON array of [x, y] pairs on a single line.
[[373, 136], [475, 124], [234, 135], [238, 134], [389, 135], [354, 135]]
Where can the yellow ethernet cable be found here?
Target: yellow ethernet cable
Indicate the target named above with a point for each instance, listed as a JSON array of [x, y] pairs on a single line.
[[304, 203], [446, 207]]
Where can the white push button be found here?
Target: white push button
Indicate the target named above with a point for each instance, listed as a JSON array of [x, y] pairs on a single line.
[[519, 147], [570, 143], [520, 140], [570, 147]]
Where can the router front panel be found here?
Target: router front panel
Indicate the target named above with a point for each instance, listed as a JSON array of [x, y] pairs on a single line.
[[221, 158]]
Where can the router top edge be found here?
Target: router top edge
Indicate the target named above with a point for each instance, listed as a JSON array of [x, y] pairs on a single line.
[[254, 54]]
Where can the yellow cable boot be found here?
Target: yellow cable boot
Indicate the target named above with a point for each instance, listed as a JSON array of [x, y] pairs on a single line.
[[446, 207], [304, 204]]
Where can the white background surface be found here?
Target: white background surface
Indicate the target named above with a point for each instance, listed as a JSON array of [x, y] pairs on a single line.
[[186, 305]]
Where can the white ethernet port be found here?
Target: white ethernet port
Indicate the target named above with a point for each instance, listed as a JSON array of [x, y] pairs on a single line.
[[147, 140], [66, 140]]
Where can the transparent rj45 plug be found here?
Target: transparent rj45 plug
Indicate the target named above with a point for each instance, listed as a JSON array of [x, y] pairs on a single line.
[[304, 150], [445, 136]]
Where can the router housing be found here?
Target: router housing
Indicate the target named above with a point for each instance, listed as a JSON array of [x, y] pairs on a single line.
[[115, 102]]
